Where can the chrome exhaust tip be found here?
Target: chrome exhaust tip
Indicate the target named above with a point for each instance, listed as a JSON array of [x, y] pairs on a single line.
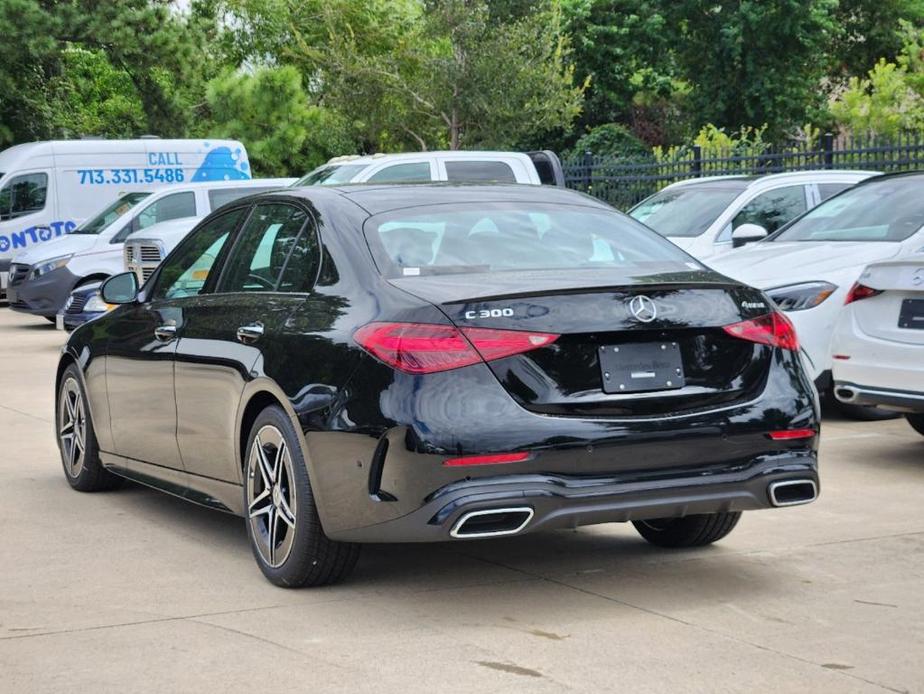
[[845, 394], [493, 522], [792, 492]]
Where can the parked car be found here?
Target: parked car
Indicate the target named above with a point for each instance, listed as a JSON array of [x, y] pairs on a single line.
[[460, 166], [809, 267], [878, 342], [141, 256], [47, 189], [341, 365], [42, 278], [84, 304], [708, 216]]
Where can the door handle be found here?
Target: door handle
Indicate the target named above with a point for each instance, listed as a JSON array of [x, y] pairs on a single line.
[[165, 333], [250, 333]]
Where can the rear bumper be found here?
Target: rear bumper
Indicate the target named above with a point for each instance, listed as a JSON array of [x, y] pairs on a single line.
[[885, 398], [558, 501], [44, 296]]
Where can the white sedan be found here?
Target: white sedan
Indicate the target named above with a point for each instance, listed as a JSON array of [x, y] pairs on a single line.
[[809, 267], [878, 342]]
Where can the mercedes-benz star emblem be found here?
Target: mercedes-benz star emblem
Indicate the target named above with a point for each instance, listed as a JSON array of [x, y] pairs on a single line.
[[643, 308]]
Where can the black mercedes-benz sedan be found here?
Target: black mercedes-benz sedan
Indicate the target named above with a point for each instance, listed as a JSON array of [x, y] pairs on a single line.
[[438, 363]]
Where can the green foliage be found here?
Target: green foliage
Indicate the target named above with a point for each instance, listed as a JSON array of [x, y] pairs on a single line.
[[613, 140], [94, 98], [754, 61], [867, 32], [270, 112], [890, 100], [146, 43], [625, 47]]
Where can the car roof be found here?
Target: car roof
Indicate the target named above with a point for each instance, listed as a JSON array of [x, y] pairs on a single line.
[[747, 181], [398, 156], [378, 198]]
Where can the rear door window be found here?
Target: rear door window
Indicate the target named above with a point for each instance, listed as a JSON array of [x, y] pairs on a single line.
[[272, 252], [222, 196], [490, 171], [23, 195]]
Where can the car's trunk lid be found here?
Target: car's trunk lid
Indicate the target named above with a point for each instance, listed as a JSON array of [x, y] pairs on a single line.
[[612, 356]]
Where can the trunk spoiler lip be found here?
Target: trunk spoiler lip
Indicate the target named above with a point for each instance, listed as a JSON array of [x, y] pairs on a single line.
[[417, 287]]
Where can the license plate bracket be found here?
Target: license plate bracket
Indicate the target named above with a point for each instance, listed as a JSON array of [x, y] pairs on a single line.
[[911, 315], [641, 366]]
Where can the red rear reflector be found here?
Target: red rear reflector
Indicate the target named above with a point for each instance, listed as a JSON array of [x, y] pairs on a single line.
[[790, 434], [860, 291], [842, 357], [773, 329], [421, 348], [489, 459]]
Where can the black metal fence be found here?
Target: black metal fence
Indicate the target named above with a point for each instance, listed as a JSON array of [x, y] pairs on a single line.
[[624, 182]]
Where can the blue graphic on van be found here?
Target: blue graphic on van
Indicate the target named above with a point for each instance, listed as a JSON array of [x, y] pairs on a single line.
[[221, 164], [21, 239]]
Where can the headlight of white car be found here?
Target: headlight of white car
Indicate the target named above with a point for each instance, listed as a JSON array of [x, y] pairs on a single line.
[[798, 297], [47, 266], [95, 304]]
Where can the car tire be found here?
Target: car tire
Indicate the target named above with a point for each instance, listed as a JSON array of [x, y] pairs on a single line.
[[917, 422], [278, 496], [77, 439], [689, 531]]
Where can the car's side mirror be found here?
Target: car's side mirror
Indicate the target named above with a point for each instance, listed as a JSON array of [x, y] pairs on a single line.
[[748, 233], [120, 289]]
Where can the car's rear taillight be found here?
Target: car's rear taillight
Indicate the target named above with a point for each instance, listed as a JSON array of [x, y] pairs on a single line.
[[773, 329], [421, 348], [860, 291]]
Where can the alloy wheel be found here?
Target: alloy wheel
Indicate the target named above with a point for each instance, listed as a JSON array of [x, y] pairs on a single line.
[[72, 427], [271, 502]]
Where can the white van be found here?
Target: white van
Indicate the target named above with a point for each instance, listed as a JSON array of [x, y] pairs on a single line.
[[41, 278], [48, 188], [537, 168]]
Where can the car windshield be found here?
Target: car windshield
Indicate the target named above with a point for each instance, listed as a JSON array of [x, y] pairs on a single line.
[[687, 210], [330, 174], [488, 237], [110, 214], [881, 210]]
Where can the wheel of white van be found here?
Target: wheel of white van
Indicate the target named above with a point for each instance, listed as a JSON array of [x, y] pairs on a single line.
[[917, 422], [76, 438], [689, 531], [282, 520]]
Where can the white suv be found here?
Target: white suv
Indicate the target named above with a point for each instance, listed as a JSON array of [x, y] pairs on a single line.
[[709, 216], [419, 167]]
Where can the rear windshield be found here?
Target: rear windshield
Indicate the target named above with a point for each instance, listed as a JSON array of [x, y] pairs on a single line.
[[330, 175], [110, 214], [882, 210], [685, 211], [487, 237]]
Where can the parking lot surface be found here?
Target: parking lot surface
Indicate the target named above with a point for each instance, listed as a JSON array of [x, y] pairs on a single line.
[[136, 591]]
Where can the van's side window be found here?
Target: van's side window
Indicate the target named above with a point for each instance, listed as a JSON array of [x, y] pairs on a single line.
[[23, 195], [480, 171], [401, 173], [168, 207]]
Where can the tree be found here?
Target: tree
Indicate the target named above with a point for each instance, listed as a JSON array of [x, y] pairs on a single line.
[[626, 48], [462, 78], [159, 51], [867, 32], [889, 101], [751, 62], [270, 112]]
